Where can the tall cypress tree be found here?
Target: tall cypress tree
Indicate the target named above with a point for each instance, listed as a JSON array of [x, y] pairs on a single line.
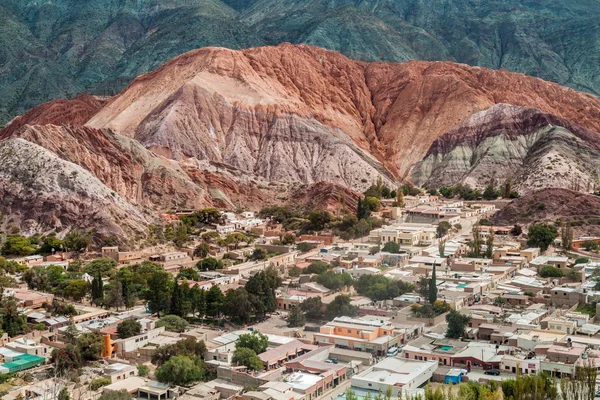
[[432, 287], [176, 306], [98, 290]]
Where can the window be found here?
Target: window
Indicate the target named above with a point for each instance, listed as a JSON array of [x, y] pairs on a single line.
[[349, 330]]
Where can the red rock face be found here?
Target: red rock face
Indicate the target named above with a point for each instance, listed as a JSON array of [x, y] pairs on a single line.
[[58, 112]]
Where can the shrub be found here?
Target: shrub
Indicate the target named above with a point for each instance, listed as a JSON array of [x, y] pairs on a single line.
[[97, 383], [551, 272]]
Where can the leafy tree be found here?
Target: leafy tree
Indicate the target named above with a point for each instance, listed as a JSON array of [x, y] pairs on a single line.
[[172, 323], [573, 275], [340, 306], [211, 237], [201, 250], [582, 260], [254, 341], [263, 286], [313, 308], [541, 236], [288, 239], [235, 239], [97, 290], [180, 370], [104, 267], [187, 347], [239, 304], [76, 241], [590, 245], [318, 219], [363, 210], [443, 228], [76, 289], [258, 254], [490, 193], [447, 192], [316, 267], [214, 301], [277, 214], [16, 245], [143, 370], [489, 245], [372, 203], [335, 281], [295, 317], [247, 357], [97, 383], [188, 273], [304, 247], [115, 395], [129, 328], [159, 290], [114, 296], [378, 287], [209, 264], [51, 244], [12, 322], [65, 360], [391, 247], [90, 345], [457, 323], [550, 271]]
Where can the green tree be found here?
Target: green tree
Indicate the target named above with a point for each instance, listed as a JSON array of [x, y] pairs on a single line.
[[214, 301], [263, 286], [247, 357], [16, 245], [201, 250], [335, 281], [239, 304], [114, 296], [318, 219], [180, 370], [372, 203], [340, 306], [304, 247], [65, 360], [432, 295], [12, 322], [90, 345], [50, 244], [316, 267], [288, 239], [189, 274], [254, 340], [363, 210], [442, 248], [98, 290], [400, 198], [76, 289], [115, 395], [143, 370], [549, 271], [443, 228], [489, 245], [391, 247], [490, 193], [313, 308], [295, 318], [76, 241], [457, 323], [209, 264], [172, 323], [566, 236], [541, 236], [234, 239], [104, 267], [258, 254], [211, 237], [128, 328], [589, 245], [159, 290]]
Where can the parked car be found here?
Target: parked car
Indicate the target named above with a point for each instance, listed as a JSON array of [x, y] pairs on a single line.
[[492, 372]]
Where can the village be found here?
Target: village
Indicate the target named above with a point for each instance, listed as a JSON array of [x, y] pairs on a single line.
[[417, 293]]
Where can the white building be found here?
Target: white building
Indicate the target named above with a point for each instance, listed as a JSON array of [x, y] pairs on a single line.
[[395, 373]]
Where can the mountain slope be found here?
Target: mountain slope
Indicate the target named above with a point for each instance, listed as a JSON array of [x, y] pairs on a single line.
[[58, 48], [530, 148]]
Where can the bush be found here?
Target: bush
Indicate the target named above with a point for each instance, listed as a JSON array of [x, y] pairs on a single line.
[[143, 370], [582, 260], [172, 323], [590, 245], [551, 272], [97, 383]]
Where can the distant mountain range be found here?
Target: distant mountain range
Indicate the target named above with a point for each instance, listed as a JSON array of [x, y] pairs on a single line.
[[291, 124], [58, 48]]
